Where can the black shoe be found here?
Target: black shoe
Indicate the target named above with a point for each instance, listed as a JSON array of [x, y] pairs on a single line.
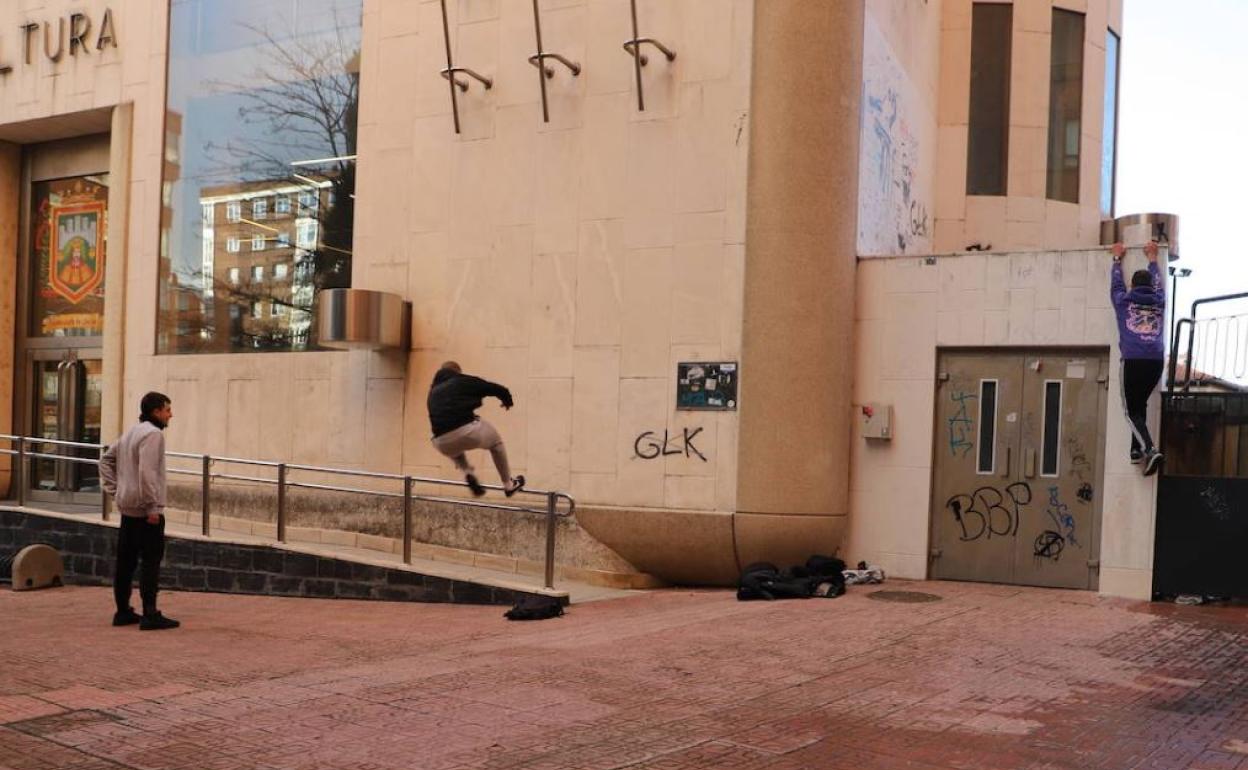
[[1137, 457], [126, 617], [517, 484], [157, 622], [474, 485], [1152, 462]]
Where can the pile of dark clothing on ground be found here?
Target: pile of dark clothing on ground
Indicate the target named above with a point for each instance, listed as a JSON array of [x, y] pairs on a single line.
[[821, 576]]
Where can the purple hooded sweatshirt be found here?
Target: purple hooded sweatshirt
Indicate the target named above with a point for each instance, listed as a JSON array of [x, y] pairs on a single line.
[[1141, 315]]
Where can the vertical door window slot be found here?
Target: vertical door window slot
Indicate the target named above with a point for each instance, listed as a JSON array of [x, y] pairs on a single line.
[[987, 442], [1051, 452]]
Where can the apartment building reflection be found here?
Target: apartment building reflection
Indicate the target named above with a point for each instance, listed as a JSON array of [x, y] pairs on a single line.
[[258, 265]]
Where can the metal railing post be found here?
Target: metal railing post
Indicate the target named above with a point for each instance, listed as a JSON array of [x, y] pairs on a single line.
[[552, 501], [204, 503], [19, 473], [281, 502], [407, 519]]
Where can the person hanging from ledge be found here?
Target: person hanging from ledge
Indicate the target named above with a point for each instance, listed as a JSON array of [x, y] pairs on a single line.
[[454, 398], [133, 472], [1141, 312]]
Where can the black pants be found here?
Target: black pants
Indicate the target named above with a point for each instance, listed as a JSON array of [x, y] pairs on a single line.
[[139, 541], [1139, 377]]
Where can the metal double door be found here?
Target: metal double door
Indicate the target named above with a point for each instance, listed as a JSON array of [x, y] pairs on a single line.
[[1018, 463], [65, 400]]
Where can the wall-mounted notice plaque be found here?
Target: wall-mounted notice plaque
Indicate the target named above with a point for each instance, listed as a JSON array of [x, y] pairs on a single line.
[[703, 385]]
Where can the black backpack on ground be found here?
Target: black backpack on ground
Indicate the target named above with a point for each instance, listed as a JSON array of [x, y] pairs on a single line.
[[821, 576], [762, 580], [826, 566], [535, 607]]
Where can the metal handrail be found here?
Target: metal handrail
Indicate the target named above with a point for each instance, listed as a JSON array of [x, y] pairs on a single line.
[[55, 441], [207, 474]]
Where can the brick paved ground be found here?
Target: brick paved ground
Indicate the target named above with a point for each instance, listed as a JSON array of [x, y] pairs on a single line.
[[989, 677]]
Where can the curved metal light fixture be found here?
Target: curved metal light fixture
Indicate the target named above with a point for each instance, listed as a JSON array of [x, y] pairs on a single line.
[[451, 72], [539, 60], [633, 48]]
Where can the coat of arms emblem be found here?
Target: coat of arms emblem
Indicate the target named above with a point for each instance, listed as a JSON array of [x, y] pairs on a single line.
[[76, 253]]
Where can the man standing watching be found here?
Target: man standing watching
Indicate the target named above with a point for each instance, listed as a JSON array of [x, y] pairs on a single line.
[[133, 472], [1141, 315]]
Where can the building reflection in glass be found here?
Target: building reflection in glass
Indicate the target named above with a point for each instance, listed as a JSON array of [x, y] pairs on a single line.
[[258, 190]]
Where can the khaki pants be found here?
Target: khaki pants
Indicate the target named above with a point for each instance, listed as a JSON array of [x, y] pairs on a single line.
[[478, 434]]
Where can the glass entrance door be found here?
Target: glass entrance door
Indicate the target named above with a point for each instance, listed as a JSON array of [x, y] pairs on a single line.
[[66, 402], [60, 320]]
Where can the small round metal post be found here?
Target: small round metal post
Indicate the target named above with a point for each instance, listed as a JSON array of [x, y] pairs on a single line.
[[281, 502], [407, 519], [552, 501], [206, 480], [19, 474]]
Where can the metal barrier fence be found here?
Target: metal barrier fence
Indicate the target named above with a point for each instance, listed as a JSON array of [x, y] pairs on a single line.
[[1214, 348], [25, 448]]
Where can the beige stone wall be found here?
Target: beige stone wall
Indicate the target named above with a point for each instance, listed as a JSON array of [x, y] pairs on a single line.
[[575, 261], [906, 310], [1023, 219]]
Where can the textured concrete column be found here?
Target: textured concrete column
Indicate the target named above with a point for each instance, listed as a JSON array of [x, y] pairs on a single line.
[[10, 213], [797, 354], [113, 408]]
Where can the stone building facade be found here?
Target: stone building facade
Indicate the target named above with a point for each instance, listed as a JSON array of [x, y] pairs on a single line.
[[826, 200]]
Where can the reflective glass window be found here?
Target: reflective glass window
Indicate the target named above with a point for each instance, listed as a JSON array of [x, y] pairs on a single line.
[[1109, 132], [261, 113], [1065, 105], [988, 132]]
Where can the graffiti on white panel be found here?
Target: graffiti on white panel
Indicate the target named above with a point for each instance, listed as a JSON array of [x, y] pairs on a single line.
[[894, 213]]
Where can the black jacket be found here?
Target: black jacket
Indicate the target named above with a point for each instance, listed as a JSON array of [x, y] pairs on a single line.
[[454, 397]]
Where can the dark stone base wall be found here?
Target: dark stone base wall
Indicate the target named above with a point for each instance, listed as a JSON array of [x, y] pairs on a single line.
[[89, 552]]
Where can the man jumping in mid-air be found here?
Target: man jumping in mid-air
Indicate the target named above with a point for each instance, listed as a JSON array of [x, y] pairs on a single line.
[[454, 398], [1141, 315]]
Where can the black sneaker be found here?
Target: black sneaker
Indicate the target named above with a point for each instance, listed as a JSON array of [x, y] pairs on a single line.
[[1152, 462], [126, 617], [1137, 457], [157, 622], [517, 484], [474, 485]]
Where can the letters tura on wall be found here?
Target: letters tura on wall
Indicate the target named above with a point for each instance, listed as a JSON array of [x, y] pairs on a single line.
[[73, 35]]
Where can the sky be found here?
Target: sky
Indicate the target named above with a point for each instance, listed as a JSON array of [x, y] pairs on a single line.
[[1183, 101]]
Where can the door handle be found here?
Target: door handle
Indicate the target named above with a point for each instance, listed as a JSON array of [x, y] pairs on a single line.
[[62, 387], [69, 405], [1029, 463], [1009, 452], [72, 401]]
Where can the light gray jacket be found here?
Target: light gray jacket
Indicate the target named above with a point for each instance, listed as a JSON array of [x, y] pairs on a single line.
[[133, 471]]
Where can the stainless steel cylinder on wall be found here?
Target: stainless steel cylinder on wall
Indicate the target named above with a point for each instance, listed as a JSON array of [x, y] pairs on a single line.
[[353, 319], [1132, 227]]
